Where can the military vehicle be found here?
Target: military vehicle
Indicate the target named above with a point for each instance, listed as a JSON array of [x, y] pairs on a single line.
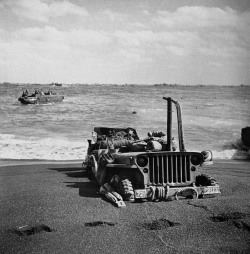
[[154, 168]]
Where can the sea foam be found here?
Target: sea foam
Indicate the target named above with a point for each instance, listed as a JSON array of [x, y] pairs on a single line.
[[43, 149], [231, 154]]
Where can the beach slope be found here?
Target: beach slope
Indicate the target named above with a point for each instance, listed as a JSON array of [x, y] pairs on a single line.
[[54, 208]]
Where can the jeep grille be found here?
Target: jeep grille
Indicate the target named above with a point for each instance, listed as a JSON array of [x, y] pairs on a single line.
[[169, 169]]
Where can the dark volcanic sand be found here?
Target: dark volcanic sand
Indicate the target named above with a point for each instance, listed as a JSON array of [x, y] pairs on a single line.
[[53, 208]]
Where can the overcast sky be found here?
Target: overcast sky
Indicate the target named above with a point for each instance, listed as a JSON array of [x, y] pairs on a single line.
[[125, 41]]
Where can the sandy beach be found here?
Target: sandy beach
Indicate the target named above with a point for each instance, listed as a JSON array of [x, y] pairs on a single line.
[[54, 208]]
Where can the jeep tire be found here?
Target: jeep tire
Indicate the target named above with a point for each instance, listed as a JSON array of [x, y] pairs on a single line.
[[205, 180]]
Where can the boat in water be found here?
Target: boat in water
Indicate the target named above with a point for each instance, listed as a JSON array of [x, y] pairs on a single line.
[[40, 98], [56, 84]]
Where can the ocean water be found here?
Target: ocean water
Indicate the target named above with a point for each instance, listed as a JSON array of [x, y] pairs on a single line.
[[212, 118]]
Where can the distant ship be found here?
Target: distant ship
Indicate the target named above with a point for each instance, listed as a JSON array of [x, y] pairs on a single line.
[[56, 84]]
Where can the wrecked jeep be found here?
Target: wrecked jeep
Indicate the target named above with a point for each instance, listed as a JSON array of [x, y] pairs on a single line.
[[154, 168]]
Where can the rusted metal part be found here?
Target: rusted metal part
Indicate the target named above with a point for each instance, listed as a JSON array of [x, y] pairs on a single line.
[[169, 124], [180, 131]]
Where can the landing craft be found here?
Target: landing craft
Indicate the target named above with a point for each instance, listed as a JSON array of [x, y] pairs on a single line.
[[40, 98]]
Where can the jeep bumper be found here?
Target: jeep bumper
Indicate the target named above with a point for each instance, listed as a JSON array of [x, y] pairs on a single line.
[[162, 193]]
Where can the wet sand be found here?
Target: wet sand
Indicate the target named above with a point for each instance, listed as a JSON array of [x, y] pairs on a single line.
[[53, 208]]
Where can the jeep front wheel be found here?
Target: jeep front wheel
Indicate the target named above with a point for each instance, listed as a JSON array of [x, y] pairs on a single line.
[[205, 180]]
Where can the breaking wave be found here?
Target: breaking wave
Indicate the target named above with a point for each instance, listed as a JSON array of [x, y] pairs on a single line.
[[43, 149], [231, 154], [13, 148], [234, 149]]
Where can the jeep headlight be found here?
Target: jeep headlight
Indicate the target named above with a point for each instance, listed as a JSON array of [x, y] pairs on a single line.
[[142, 161], [196, 159], [207, 157]]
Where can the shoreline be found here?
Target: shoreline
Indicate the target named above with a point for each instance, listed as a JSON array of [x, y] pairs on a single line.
[[4, 163]]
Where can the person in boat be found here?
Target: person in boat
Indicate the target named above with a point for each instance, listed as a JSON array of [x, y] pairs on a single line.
[[40, 92], [50, 93], [25, 93], [34, 94]]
